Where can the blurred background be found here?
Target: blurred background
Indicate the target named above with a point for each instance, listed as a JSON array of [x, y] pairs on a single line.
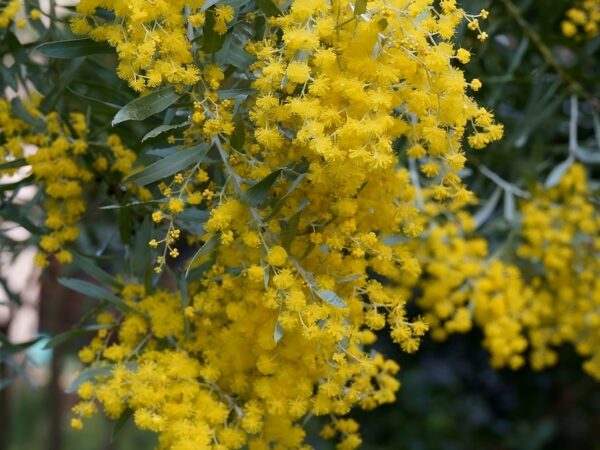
[[450, 398]]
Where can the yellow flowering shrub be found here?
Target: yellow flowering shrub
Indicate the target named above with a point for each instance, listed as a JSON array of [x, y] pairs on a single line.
[[262, 190], [285, 186], [277, 310]]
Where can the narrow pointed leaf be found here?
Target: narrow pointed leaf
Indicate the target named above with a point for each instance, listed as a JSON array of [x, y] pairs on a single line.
[[332, 298], [257, 194], [169, 165], [88, 375], [278, 333], [144, 107], [93, 291], [73, 48], [208, 247], [163, 129]]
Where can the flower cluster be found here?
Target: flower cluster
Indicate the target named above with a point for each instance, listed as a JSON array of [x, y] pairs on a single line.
[[55, 150], [583, 20], [462, 286], [345, 86], [152, 39], [8, 12], [291, 281], [547, 297], [561, 241]]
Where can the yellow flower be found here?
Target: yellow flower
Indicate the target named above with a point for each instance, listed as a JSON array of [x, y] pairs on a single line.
[[176, 205], [277, 256], [298, 72]]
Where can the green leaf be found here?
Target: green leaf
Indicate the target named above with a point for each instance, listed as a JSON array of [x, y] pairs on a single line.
[[92, 269], [277, 207], [360, 7], [208, 4], [268, 8], [144, 107], [20, 371], [142, 254], [208, 247], [557, 173], [124, 218], [95, 292], [260, 26], [510, 208], [238, 57], [213, 41], [120, 423], [596, 120], [169, 166], [17, 214], [332, 298], [162, 129], [278, 333], [225, 94], [161, 152], [67, 336], [18, 110], [239, 133], [12, 186], [87, 375], [486, 211], [73, 48], [8, 77], [196, 273], [14, 164], [291, 230], [66, 76], [193, 220], [349, 278], [237, 4], [257, 194], [8, 348], [133, 204], [95, 102]]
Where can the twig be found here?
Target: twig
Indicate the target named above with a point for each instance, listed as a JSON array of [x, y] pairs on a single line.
[[503, 183], [546, 53]]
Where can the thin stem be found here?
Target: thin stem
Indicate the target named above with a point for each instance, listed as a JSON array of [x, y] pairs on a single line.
[[546, 53], [503, 183]]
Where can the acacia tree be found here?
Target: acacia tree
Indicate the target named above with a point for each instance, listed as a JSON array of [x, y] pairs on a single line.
[[257, 190]]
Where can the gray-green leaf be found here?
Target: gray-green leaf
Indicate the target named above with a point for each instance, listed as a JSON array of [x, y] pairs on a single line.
[[169, 165], [73, 48], [93, 291], [87, 375], [257, 194], [332, 298], [144, 107], [278, 333]]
